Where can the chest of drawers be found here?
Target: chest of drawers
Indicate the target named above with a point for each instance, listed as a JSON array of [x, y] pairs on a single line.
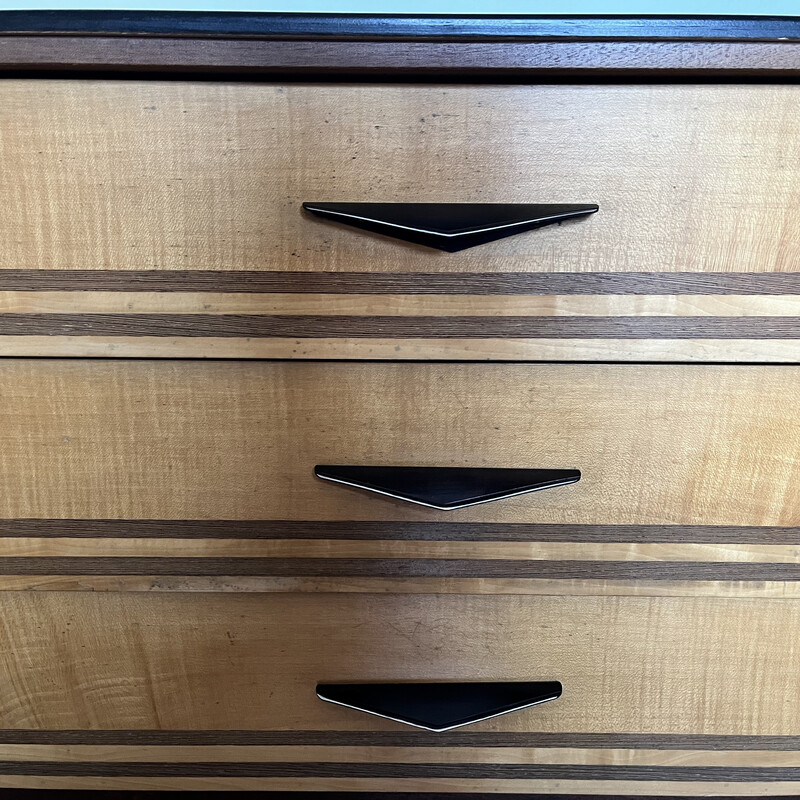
[[182, 347]]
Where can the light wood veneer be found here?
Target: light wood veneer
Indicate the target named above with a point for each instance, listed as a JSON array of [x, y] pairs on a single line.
[[195, 175]]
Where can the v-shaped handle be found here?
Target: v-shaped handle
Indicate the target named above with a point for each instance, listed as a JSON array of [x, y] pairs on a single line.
[[449, 226], [447, 488], [439, 706]]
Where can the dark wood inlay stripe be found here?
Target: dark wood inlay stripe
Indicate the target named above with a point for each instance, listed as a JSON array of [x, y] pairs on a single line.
[[396, 531], [313, 326], [400, 738], [382, 27], [484, 283], [366, 770], [163, 58], [325, 795], [404, 568]]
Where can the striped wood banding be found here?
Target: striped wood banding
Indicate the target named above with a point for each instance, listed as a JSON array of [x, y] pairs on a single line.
[[397, 531], [356, 770], [406, 788], [466, 283], [508, 587], [403, 567], [391, 549], [732, 317], [399, 738], [311, 326], [396, 755]]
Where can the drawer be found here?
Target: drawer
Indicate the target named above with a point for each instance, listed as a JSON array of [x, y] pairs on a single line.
[[656, 444], [143, 175], [141, 685], [183, 662], [168, 475], [164, 219], [682, 445]]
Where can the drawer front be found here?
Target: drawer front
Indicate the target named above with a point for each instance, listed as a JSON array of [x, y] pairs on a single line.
[[175, 440], [655, 689], [185, 175], [186, 662], [168, 475]]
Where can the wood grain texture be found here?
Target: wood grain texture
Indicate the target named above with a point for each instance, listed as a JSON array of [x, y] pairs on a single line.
[[553, 587], [446, 61], [192, 175], [91, 281], [58, 547], [300, 326], [700, 351], [190, 440], [424, 567], [51, 303], [465, 740], [494, 772], [335, 754], [343, 748], [434, 788], [393, 27], [146, 661], [395, 531]]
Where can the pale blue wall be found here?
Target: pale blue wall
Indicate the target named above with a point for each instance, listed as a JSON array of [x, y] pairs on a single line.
[[749, 7]]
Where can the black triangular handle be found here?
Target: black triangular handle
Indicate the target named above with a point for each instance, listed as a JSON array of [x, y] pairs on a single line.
[[446, 488], [439, 706], [449, 226]]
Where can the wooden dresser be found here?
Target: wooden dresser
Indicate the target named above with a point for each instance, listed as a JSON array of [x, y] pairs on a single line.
[[183, 344]]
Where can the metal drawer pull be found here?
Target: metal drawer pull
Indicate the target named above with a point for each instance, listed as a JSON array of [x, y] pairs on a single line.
[[447, 488], [439, 706], [449, 226]]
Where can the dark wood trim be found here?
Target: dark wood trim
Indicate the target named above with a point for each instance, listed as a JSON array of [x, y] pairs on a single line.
[[323, 795], [442, 61], [403, 27], [417, 283], [403, 568], [303, 326], [387, 770], [401, 738], [395, 531], [397, 47]]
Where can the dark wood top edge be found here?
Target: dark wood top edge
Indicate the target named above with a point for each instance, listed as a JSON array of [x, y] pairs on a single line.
[[396, 531], [401, 738], [292, 769], [402, 568], [423, 283], [383, 27], [302, 326]]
